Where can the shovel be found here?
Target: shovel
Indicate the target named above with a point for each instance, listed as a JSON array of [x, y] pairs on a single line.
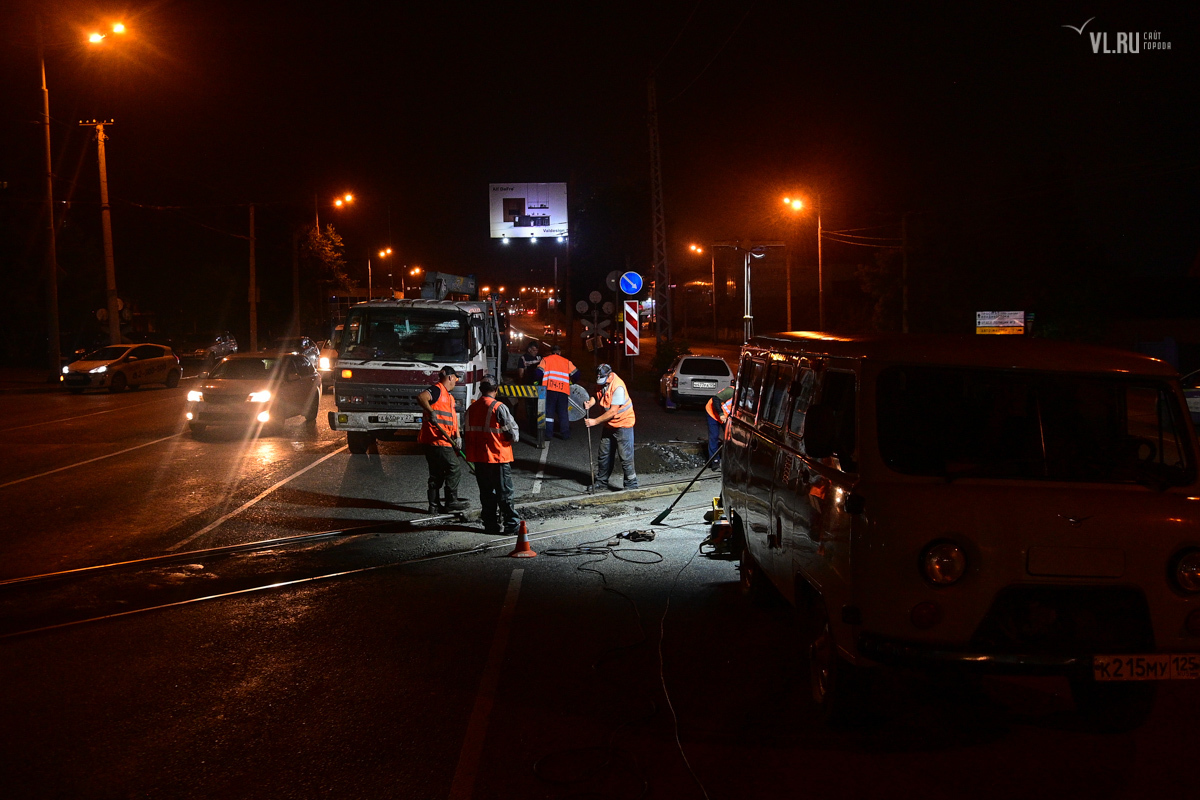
[[658, 520]]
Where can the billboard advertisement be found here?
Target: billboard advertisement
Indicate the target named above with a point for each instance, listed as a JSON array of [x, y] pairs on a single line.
[[528, 210]]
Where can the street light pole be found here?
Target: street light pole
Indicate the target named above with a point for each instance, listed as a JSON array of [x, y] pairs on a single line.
[[53, 351], [110, 272], [713, 254], [820, 271]]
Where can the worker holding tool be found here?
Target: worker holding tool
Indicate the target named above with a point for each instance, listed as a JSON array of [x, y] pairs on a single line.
[[719, 408], [490, 433], [440, 438], [558, 373], [617, 419]]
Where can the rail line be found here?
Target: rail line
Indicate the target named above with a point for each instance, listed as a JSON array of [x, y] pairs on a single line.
[[154, 561]]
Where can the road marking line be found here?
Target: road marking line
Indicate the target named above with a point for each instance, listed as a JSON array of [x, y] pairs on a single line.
[[541, 473], [463, 785], [89, 461], [249, 503], [83, 416]]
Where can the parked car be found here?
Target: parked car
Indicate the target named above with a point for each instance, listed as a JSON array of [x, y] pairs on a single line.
[[299, 345], [971, 504], [255, 389], [124, 365], [208, 348], [1191, 392], [693, 379]]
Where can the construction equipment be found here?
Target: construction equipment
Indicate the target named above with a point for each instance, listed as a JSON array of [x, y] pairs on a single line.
[[658, 520]]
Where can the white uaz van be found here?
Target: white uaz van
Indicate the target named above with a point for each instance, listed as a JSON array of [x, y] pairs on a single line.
[[986, 503]]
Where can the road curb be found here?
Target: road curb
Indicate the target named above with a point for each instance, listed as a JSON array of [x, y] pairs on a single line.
[[608, 498]]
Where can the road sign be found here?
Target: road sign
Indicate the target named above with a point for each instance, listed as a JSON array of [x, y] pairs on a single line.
[[595, 297], [582, 306], [633, 334], [612, 280], [631, 283], [1001, 322], [608, 307], [591, 328]]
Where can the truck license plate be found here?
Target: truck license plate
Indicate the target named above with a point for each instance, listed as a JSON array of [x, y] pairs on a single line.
[[1155, 667]]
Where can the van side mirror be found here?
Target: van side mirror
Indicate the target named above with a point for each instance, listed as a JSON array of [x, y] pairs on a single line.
[[820, 431]]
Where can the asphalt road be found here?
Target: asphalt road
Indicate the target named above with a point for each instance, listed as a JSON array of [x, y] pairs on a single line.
[[419, 660]]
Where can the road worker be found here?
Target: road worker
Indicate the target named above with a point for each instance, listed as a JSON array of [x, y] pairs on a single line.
[[490, 433], [558, 373], [617, 420], [440, 440], [719, 407]]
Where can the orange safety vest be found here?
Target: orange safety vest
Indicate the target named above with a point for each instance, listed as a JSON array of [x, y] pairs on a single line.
[[444, 413], [485, 441], [726, 408], [556, 373], [624, 416]]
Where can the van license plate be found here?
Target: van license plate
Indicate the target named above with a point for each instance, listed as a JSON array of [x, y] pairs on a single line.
[[1156, 667], [704, 384]]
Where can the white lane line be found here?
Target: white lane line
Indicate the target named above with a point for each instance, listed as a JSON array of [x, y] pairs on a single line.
[[84, 416], [89, 461], [541, 473], [463, 785], [249, 503]]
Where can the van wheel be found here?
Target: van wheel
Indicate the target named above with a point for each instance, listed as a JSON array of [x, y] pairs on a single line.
[[358, 442], [753, 583], [1113, 707], [837, 685]]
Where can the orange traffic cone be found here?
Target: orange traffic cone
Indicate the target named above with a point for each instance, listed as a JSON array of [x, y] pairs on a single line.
[[522, 550]]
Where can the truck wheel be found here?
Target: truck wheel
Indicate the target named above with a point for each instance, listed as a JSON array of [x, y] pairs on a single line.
[[359, 442], [837, 685], [1113, 707]]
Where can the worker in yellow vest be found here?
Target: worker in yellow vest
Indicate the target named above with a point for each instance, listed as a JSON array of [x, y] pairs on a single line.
[[440, 440], [617, 420], [558, 373], [490, 433]]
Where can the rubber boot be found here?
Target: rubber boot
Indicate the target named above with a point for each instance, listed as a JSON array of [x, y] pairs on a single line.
[[453, 503], [435, 505]]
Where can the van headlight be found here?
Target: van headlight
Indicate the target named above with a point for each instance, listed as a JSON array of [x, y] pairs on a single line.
[[260, 397], [195, 397], [1187, 571], [943, 563]]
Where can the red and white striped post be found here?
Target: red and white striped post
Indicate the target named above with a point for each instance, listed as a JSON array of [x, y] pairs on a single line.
[[633, 333]]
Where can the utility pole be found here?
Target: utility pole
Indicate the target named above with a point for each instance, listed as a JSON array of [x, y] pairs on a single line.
[[110, 272], [904, 275], [53, 350], [662, 272], [820, 271], [253, 289]]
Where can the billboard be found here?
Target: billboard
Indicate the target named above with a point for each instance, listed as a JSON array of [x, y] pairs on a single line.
[[528, 210]]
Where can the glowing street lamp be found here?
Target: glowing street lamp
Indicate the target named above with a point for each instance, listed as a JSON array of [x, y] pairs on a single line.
[[698, 250], [97, 37], [797, 205]]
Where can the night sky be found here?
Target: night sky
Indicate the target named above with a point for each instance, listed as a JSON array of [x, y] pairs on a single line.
[[1035, 174]]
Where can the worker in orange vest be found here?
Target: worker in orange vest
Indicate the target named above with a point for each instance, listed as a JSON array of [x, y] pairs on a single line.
[[490, 433], [440, 439], [558, 373], [617, 420], [719, 407]]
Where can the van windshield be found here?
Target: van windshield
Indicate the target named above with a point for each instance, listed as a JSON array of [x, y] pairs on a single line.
[[405, 334], [954, 422]]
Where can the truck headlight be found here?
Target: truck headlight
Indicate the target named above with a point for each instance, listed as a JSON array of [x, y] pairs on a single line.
[[943, 563], [195, 397], [260, 397], [1187, 571]]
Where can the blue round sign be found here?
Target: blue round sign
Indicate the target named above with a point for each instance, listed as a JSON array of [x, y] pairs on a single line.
[[631, 283]]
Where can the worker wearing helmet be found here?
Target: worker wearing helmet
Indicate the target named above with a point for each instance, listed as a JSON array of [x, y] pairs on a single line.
[[617, 419]]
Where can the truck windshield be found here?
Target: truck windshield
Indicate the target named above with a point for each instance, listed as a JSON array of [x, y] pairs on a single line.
[[405, 334], [954, 422]]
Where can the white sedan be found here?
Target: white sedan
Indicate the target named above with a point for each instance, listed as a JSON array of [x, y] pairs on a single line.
[[123, 365]]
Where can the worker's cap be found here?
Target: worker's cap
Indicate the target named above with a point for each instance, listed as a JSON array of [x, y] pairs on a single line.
[[602, 372], [447, 371], [488, 384]]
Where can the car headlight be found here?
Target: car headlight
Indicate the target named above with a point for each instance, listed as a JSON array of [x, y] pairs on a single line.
[[99, 369], [943, 563], [1187, 571], [195, 397], [260, 397], [66, 370], [324, 362]]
